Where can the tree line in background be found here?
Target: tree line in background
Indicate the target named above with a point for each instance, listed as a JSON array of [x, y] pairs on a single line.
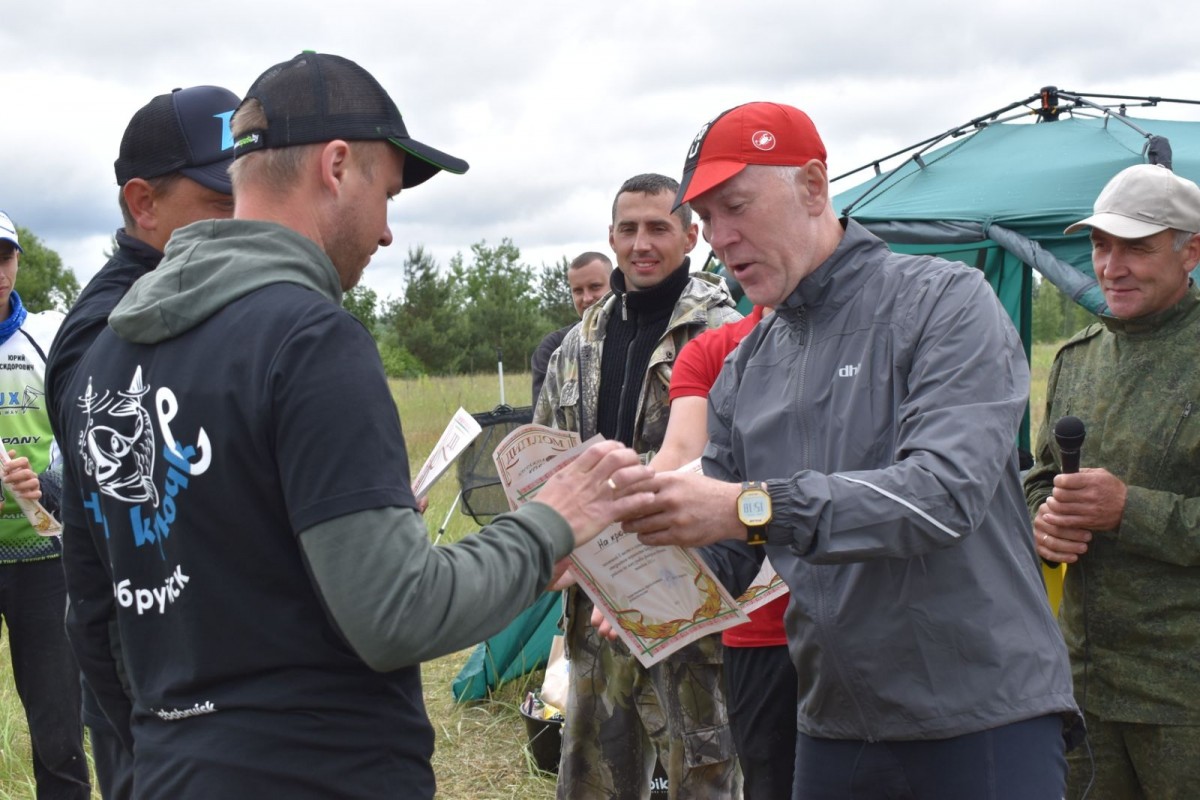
[[451, 322], [1056, 317], [454, 320], [42, 281]]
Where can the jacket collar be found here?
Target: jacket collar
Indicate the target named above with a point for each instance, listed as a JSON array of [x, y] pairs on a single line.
[[138, 251], [701, 291], [840, 276], [660, 297], [1165, 321]]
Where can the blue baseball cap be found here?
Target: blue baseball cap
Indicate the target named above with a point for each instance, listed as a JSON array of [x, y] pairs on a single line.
[[185, 131]]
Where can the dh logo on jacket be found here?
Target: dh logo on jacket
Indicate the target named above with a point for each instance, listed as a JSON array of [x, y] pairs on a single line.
[[119, 452]]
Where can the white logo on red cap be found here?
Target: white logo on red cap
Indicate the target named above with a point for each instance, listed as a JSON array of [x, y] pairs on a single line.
[[763, 140], [695, 148]]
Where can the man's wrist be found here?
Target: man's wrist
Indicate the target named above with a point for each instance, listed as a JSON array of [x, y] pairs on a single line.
[[754, 511]]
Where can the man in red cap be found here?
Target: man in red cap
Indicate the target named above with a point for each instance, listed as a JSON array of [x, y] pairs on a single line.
[[863, 437]]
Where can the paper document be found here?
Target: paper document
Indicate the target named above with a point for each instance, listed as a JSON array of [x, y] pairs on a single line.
[[461, 431], [658, 599], [522, 458], [38, 516], [766, 586]]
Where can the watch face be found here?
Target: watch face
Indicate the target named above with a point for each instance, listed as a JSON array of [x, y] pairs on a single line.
[[754, 507]]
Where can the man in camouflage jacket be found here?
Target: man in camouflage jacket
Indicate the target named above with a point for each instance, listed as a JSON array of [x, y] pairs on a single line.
[[611, 375], [1128, 522]]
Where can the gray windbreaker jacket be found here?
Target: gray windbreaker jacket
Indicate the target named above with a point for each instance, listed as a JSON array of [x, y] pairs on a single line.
[[881, 403]]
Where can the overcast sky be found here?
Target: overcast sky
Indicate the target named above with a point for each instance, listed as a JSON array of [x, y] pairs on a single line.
[[553, 104]]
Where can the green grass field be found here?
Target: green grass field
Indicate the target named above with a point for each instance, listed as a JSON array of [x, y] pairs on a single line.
[[480, 747]]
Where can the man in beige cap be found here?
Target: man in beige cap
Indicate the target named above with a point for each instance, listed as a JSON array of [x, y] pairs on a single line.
[[1128, 521]]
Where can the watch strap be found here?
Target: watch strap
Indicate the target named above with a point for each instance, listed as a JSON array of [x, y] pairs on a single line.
[[755, 534]]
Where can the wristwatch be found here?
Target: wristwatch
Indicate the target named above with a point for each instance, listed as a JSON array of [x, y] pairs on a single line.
[[754, 511]]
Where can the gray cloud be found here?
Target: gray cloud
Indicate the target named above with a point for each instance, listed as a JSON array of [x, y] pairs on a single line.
[[553, 104]]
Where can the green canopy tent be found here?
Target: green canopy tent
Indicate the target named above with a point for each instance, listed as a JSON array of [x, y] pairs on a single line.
[[1010, 188], [997, 191]]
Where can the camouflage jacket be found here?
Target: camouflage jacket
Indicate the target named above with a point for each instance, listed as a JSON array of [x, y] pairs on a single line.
[[1131, 604], [570, 395]]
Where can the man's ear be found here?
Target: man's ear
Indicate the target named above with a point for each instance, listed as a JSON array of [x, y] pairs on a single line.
[[334, 164], [693, 233], [1192, 249], [140, 200], [814, 179]]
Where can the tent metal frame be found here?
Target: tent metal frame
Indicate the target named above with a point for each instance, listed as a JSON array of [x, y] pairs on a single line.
[[1050, 108]]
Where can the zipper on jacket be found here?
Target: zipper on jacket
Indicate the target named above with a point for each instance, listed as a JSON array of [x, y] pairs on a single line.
[[802, 324], [624, 389], [583, 434], [1187, 412], [827, 634]]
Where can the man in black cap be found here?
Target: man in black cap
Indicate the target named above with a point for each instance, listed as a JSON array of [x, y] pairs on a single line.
[[173, 170], [243, 512]]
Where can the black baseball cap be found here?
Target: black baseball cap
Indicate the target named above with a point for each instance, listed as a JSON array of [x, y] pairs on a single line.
[[316, 97], [185, 131]]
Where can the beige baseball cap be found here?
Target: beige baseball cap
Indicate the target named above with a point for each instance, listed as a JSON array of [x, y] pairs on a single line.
[[1143, 200]]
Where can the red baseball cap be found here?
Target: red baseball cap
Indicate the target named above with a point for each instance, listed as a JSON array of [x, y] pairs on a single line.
[[754, 133]]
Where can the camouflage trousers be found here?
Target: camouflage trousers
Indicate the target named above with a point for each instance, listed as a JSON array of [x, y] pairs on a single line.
[[1135, 761], [621, 716]]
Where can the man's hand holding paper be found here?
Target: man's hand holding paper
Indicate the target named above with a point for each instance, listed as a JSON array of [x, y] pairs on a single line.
[[663, 597], [583, 491], [689, 510]]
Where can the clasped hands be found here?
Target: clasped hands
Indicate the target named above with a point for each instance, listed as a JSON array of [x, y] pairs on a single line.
[[665, 508], [1081, 503]]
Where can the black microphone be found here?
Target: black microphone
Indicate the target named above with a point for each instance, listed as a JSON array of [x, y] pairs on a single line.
[[1069, 433]]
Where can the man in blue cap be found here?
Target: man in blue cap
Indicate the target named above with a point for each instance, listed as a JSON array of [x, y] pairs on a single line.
[[173, 170]]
